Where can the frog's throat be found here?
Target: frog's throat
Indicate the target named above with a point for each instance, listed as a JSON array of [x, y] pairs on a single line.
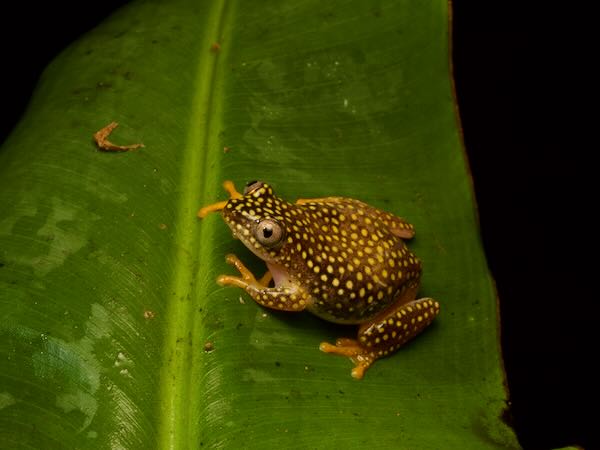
[[280, 275]]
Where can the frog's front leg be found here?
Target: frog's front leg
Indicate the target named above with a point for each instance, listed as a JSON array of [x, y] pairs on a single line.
[[283, 298], [233, 193], [385, 334]]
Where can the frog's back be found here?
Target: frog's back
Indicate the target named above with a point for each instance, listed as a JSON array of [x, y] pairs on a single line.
[[351, 259]]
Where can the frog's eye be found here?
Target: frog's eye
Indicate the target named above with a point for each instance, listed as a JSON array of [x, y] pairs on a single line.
[[269, 232], [252, 186]]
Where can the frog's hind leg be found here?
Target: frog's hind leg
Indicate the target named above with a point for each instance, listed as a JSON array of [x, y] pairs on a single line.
[[385, 334], [233, 193]]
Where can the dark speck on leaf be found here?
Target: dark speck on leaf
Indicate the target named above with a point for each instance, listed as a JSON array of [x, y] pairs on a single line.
[[277, 363]]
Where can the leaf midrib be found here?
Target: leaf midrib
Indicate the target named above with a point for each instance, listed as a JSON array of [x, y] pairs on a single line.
[[178, 373]]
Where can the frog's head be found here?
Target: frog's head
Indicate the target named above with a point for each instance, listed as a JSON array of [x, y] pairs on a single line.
[[260, 220]]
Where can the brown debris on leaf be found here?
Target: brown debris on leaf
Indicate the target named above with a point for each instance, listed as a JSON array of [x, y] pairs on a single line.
[[101, 138]]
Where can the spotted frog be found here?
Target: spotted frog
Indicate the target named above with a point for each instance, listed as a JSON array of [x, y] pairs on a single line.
[[339, 258]]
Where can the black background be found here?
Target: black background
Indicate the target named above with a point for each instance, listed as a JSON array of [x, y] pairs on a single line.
[[518, 83]]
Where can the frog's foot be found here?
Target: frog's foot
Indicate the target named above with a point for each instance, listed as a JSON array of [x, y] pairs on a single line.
[[386, 333], [101, 138], [247, 278], [361, 357], [233, 193], [283, 298]]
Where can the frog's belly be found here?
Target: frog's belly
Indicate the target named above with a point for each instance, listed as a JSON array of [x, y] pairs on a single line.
[[345, 310]]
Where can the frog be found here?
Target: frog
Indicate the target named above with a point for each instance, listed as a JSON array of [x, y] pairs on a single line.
[[336, 257]]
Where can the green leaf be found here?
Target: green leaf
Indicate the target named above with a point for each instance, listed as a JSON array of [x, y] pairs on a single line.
[[107, 279]]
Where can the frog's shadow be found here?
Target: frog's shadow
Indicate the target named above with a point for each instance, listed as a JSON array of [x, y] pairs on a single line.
[[306, 323]]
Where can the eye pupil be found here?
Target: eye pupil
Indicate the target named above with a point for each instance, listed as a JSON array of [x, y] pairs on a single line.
[[267, 232]]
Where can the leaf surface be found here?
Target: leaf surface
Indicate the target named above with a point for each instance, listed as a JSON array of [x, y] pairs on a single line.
[[107, 279]]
